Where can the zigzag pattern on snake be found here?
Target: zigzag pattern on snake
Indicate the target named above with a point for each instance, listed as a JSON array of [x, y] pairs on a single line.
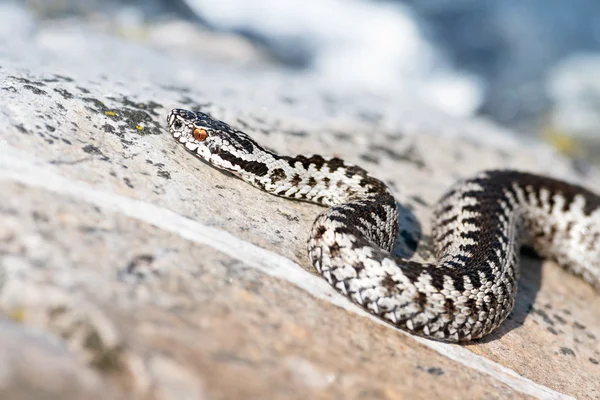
[[478, 227]]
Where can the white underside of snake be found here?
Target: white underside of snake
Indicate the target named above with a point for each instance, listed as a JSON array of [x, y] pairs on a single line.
[[479, 226]]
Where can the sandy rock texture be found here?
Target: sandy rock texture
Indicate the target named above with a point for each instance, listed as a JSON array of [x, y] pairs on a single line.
[[132, 270]]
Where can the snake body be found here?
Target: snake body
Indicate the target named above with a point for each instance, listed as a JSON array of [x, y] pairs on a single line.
[[478, 227]]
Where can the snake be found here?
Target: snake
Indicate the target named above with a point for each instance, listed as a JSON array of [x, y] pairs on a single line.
[[478, 228]]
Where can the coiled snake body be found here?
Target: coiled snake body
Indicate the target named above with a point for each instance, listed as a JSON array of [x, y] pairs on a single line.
[[478, 227]]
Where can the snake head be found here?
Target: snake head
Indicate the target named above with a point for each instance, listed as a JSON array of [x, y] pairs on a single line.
[[195, 131], [200, 134], [209, 139]]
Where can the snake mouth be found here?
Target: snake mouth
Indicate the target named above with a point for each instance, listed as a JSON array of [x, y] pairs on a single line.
[[192, 147], [187, 140], [180, 135]]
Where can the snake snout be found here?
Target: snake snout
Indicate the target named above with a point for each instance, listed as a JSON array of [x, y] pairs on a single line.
[[179, 114], [171, 118]]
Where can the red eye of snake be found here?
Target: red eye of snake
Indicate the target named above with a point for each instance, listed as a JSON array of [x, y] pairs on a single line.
[[200, 134]]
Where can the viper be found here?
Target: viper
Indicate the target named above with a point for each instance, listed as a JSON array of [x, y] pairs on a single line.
[[479, 226]]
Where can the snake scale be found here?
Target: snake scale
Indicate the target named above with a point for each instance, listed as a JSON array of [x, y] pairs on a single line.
[[479, 226]]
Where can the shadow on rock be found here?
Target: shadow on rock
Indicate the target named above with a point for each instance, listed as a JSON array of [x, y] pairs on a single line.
[[409, 233]]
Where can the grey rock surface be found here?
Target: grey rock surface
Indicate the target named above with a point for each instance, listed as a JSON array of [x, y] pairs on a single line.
[[133, 269]]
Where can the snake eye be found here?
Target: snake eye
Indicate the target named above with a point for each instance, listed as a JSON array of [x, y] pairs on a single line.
[[177, 125], [200, 134]]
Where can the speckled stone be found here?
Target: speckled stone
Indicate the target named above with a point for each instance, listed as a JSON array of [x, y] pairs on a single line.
[[143, 272]]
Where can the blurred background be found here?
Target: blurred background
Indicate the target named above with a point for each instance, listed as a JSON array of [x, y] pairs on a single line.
[[530, 65]]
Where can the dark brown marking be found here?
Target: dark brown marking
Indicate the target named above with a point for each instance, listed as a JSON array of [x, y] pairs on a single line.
[[317, 161], [258, 183], [390, 284], [449, 307], [359, 266], [421, 300], [277, 175], [334, 164], [334, 250], [296, 179], [254, 167], [320, 232]]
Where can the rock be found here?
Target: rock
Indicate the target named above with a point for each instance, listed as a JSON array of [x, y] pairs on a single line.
[[37, 365], [139, 272]]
